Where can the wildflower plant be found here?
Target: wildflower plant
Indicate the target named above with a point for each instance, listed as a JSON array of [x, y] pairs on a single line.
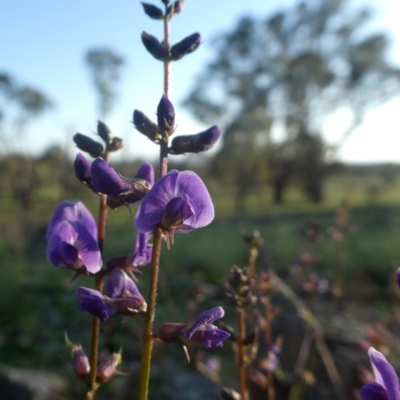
[[176, 202]]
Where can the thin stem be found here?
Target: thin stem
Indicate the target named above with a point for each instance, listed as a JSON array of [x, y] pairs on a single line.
[[99, 283], [167, 64], [242, 365], [147, 342]]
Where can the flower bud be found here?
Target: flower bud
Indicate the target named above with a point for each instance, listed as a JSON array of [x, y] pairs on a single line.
[[80, 362], [146, 126], [152, 11], [195, 143], [175, 8], [185, 46], [108, 367], [88, 145], [166, 116], [154, 47], [116, 144], [170, 332], [104, 131], [398, 276]]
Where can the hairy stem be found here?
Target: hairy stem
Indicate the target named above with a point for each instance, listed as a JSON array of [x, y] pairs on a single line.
[[99, 283], [242, 364], [147, 341]]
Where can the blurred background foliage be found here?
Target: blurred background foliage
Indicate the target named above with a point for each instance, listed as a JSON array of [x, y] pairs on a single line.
[[287, 72]]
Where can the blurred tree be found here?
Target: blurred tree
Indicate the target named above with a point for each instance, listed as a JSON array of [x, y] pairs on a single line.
[[299, 66], [19, 106], [105, 67]]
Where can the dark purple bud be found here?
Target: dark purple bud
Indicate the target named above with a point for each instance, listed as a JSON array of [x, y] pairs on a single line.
[[152, 11], [116, 144], [398, 276], [108, 367], [177, 211], [186, 46], [88, 145], [175, 8], [195, 143], [146, 126], [154, 47], [166, 116], [104, 131], [373, 391]]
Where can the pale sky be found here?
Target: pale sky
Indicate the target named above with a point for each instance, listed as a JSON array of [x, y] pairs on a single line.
[[43, 43]]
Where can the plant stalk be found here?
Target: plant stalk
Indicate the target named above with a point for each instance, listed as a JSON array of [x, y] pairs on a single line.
[[242, 364], [147, 341], [99, 283]]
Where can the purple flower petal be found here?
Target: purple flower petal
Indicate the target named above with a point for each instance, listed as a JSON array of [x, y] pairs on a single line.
[[88, 248], [119, 285], [373, 391], [146, 172], [177, 211], [72, 211], [209, 337], [143, 250], [93, 302], [82, 170], [398, 276], [68, 253], [384, 373], [184, 184], [204, 319], [106, 180]]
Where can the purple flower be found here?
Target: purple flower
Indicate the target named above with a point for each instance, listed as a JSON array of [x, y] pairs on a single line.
[[123, 298], [398, 276], [145, 126], [72, 239], [88, 145], [200, 333], [195, 143], [121, 190], [203, 333], [178, 202], [386, 386]]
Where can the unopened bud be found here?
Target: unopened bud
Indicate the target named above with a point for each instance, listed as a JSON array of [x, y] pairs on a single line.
[[116, 144], [185, 46], [82, 171], [80, 362], [154, 47], [108, 367], [152, 11], [104, 131], [175, 8], [166, 116], [88, 145], [146, 126], [170, 332], [195, 143]]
